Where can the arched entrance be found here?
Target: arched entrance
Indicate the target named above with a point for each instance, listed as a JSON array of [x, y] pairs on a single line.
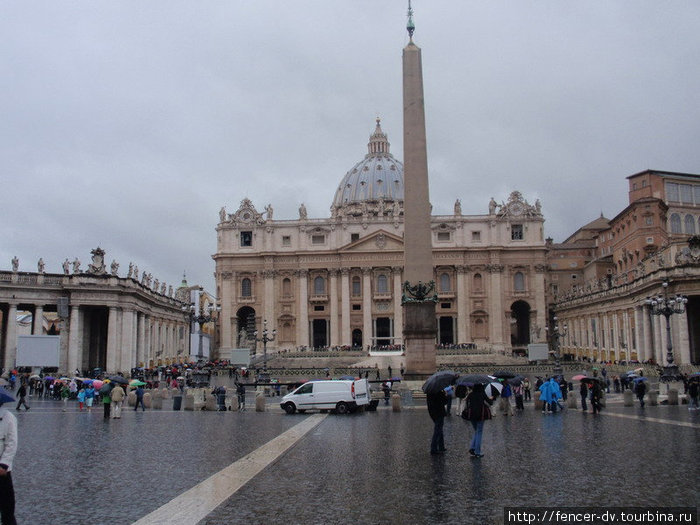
[[319, 328], [520, 327], [357, 338], [383, 331], [246, 325]]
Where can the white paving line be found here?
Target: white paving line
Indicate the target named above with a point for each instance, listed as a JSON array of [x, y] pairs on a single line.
[[653, 420], [196, 503]]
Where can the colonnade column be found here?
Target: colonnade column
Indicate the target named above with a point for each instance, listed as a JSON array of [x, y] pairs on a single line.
[[228, 338], [639, 333], [127, 343], [367, 306], [11, 337], [346, 338], [541, 317], [269, 298], [335, 335], [462, 305], [74, 339], [660, 340], [38, 320], [682, 341], [496, 307], [141, 343], [303, 303], [398, 309], [112, 341]]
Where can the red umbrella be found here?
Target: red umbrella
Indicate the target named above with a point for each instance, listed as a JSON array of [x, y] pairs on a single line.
[[578, 377]]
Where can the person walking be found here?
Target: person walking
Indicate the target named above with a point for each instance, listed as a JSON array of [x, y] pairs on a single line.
[[518, 394], [106, 401], [65, 394], [22, 393], [89, 397], [476, 412], [583, 390], [596, 396], [526, 389], [139, 399], [117, 395], [240, 392], [640, 389], [436, 409], [693, 393], [8, 449], [386, 388], [81, 398], [504, 405]]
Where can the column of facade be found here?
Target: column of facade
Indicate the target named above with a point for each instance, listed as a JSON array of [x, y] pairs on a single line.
[[540, 306], [659, 339], [303, 305], [335, 333], [616, 344], [229, 339], [346, 336], [496, 305], [463, 335], [367, 306], [75, 331], [269, 297], [141, 358], [126, 349], [640, 333], [11, 337], [38, 320], [627, 333], [112, 341], [398, 309], [682, 340]]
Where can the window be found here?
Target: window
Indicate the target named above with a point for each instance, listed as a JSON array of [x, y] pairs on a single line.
[[318, 239], [305, 389], [246, 238], [574, 276], [246, 288], [445, 306], [356, 307], [672, 192], [286, 240], [382, 284], [476, 236], [319, 308], [686, 194], [319, 285], [354, 237], [445, 282], [690, 224], [676, 223], [443, 236], [356, 287], [516, 232], [478, 282], [519, 282], [649, 221], [650, 240], [286, 287], [696, 190]]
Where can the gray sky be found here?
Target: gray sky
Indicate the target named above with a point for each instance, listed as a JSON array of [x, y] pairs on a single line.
[[128, 124]]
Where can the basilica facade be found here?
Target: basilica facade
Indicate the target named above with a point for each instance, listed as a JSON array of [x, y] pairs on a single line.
[[337, 281]]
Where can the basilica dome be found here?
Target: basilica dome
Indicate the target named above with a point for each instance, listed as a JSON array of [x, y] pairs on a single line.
[[377, 180]]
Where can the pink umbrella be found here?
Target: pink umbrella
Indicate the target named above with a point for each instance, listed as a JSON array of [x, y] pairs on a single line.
[[97, 384], [578, 377]]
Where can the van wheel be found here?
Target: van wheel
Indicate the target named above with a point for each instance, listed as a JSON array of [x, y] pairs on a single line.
[[342, 408], [289, 408]]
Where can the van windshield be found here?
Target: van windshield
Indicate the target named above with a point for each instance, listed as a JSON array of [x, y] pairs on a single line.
[[304, 389]]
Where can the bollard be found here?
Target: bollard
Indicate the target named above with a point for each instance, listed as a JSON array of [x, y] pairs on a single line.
[[571, 402], [210, 403], [131, 399], [260, 402], [165, 393], [177, 402], [627, 397], [147, 400], [653, 398], [673, 396], [157, 400], [189, 402], [395, 402]]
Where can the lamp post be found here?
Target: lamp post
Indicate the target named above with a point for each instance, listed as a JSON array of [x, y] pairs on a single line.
[[555, 335], [664, 305], [201, 317], [267, 336]]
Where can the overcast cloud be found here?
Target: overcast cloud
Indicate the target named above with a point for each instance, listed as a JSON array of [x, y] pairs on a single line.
[[128, 124]]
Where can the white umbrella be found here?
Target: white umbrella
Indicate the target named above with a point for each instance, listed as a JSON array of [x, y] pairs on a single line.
[[493, 388]]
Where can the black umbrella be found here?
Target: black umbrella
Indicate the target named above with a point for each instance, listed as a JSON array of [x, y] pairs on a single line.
[[106, 388], [474, 379], [119, 379], [438, 381], [591, 380], [517, 380], [503, 374]]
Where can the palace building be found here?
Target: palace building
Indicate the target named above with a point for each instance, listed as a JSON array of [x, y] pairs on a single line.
[[337, 281]]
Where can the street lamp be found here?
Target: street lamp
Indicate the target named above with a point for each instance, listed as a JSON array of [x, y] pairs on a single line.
[[664, 305], [201, 317], [555, 335], [266, 337]]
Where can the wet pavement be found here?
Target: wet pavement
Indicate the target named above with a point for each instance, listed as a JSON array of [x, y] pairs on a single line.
[[370, 468]]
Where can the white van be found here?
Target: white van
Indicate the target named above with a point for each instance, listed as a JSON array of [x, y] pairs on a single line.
[[340, 395]]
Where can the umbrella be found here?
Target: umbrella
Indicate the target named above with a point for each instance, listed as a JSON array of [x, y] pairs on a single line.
[[87, 381], [119, 379], [578, 377], [97, 384], [639, 379], [474, 379], [503, 374], [5, 397], [48, 378], [493, 388], [517, 380], [438, 381], [591, 380], [34, 376], [136, 382], [105, 388]]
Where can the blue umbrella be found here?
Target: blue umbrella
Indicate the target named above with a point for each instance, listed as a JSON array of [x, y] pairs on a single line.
[[5, 397], [638, 379]]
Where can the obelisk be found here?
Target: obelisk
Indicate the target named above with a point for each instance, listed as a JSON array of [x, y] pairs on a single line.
[[419, 329]]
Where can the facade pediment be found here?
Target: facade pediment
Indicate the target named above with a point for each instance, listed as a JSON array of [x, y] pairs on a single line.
[[378, 241]]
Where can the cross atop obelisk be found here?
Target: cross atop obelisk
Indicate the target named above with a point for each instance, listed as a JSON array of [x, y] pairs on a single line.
[[418, 290]]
